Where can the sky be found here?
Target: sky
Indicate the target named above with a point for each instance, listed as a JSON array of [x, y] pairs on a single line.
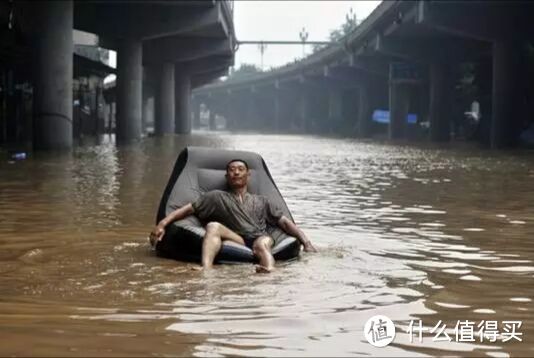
[[283, 20]]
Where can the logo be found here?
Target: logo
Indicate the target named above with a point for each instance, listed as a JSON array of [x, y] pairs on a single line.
[[379, 331]]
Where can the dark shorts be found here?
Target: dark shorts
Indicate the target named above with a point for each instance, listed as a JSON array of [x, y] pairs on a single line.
[[249, 239]]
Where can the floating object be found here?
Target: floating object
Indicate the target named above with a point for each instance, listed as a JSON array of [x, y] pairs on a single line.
[[18, 156], [198, 170]]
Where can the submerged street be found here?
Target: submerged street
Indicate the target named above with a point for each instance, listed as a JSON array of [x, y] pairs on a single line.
[[413, 233]]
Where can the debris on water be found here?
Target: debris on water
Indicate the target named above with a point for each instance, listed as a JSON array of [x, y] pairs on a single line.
[[32, 256], [18, 156]]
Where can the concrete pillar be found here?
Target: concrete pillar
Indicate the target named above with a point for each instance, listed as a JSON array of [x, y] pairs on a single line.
[[211, 126], [100, 105], [147, 118], [440, 102], [236, 114], [110, 119], [335, 109], [182, 95], [230, 112], [349, 125], [165, 107], [263, 112], [53, 76], [227, 110], [146, 109], [277, 111], [504, 121], [364, 112], [250, 119], [399, 102], [196, 113], [305, 110], [129, 90]]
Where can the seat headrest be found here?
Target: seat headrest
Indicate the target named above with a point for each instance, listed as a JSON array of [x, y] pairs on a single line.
[[200, 169]]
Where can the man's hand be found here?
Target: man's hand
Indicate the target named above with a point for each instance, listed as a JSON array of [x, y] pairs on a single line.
[[291, 229], [156, 234], [308, 247]]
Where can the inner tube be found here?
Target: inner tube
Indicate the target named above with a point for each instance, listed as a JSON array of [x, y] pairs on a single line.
[[199, 170]]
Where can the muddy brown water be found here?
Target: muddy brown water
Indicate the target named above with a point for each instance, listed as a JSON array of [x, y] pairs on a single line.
[[421, 234]]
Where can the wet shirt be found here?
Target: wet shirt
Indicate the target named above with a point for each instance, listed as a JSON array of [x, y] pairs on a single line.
[[248, 219]]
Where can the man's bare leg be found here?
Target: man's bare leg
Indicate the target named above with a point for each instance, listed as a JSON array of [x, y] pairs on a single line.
[[262, 249], [216, 233]]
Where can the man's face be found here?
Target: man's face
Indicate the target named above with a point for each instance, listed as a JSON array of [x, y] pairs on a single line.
[[237, 174]]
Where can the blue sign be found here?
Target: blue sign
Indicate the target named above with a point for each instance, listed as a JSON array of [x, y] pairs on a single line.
[[382, 116]]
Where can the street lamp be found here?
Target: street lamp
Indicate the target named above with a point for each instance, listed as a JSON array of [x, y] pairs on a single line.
[[303, 37], [351, 19], [262, 48]]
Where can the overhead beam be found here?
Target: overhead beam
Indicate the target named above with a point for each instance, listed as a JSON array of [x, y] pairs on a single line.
[[352, 76], [177, 49], [430, 50], [144, 20], [204, 78], [206, 64], [483, 23]]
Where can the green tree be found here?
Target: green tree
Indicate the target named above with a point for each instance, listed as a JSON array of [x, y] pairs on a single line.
[[245, 69], [336, 35]]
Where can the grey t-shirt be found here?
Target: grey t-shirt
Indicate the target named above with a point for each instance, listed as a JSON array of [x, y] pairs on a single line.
[[248, 219]]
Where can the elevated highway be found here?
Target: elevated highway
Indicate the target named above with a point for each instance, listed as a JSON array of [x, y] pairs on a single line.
[[405, 57]]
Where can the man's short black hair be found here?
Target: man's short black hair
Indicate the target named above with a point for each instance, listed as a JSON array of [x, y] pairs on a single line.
[[236, 160]]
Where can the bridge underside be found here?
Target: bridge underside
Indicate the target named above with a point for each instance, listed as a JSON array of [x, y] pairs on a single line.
[[184, 44]]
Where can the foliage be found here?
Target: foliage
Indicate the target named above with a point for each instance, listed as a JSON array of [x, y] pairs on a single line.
[[337, 34], [245, 69]]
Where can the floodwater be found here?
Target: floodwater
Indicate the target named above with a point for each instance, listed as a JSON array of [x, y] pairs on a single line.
[[418, 234]]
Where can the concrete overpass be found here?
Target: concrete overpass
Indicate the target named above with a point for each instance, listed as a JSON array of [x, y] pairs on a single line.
[[168, 46], [403, 58]]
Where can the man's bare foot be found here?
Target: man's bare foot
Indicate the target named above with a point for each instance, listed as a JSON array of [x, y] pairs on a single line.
[[200, 268], [263, 269]]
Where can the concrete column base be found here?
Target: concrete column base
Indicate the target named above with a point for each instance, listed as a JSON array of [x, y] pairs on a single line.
[[129, 90], [440, 102], [399, 102], [182, 105], [165, 106], [505, 124], [53, 76], [364, 109]]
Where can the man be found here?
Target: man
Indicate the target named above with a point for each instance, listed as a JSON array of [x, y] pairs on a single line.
[[236, 216]]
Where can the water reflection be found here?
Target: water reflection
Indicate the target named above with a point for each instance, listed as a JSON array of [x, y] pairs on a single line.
[[411, 233]]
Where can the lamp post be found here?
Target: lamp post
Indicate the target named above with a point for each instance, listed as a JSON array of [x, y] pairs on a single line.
[[262, 48], [351, 19], [303, 37]]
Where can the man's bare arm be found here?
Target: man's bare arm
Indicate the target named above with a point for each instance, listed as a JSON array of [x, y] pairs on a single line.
[[291, 229], [178, 214]]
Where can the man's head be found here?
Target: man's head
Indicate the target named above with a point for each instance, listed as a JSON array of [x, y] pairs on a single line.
[[237, 173]]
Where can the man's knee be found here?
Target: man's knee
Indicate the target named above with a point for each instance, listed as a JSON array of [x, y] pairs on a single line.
[[262, 244], [213, 226]]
